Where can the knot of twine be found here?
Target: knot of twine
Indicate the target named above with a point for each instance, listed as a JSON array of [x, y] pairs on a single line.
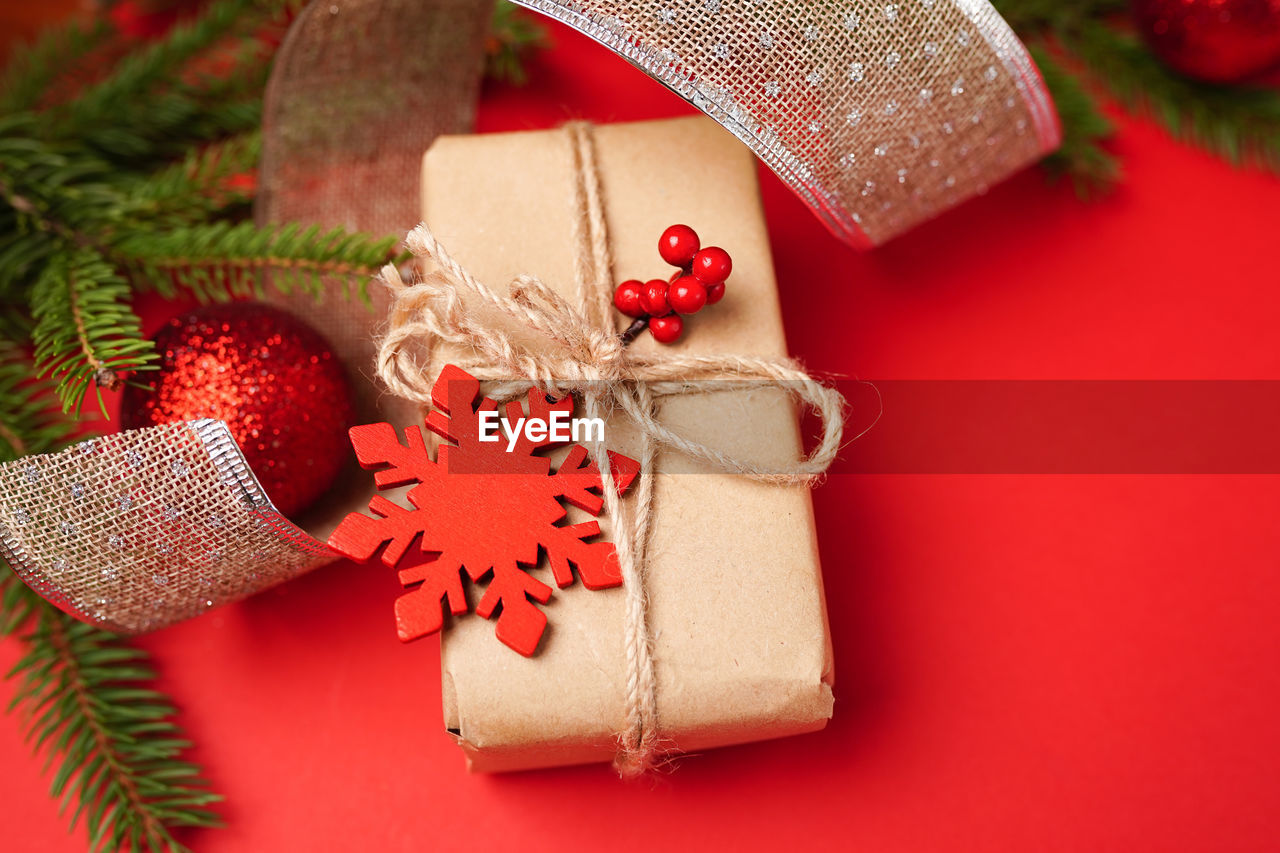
[[565, 349]]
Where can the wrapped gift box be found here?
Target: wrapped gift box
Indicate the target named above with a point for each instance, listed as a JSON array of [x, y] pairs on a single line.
[[735, 605]]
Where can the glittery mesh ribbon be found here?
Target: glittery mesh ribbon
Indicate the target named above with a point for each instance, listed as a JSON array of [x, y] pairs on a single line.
[[879, 115], [140, 529]]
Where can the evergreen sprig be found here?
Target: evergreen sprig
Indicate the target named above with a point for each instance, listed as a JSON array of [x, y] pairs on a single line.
[[85, 333], [116, 745], [217, 259], [1092, 40]]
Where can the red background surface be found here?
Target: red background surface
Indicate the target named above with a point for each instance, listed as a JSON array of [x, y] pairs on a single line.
[[1023, 662]]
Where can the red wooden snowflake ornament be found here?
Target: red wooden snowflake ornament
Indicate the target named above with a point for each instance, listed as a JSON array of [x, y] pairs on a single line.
[[481, 508]]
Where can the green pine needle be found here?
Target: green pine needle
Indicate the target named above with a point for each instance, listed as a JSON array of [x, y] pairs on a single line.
[[29, 421], [1238, 123], [116, 747], [220, 259], [86, 333], [1082, 156], [513, 35]]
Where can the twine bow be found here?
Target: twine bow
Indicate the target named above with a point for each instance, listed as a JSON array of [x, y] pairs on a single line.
[[565, 349]]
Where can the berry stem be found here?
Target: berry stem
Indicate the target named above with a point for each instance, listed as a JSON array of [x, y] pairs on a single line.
[[633, 331]]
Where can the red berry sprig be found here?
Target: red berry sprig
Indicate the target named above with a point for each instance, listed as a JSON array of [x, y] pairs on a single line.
[[659, 305]]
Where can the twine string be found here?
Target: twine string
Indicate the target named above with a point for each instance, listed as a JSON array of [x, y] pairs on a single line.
[[578, 351]]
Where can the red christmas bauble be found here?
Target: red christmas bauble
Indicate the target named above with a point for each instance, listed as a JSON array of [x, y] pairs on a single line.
[[271, 377], [1218, 41]]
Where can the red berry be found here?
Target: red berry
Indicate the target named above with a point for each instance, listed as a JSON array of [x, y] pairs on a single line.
[[666, 330], [687, 296], [654, 298], [627, 298], [715, 292], [678, 244], [712, 265]]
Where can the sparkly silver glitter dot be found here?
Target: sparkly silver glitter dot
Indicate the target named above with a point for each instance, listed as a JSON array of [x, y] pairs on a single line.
[[815, 126], [957, 88], [115, 540], [892, 59], [164, 548], [868, 188], [930, 49], [935, 162], [179, 468], [962, 38], [1020, 126], [891, 12], [814, 77], [851, 21], [857, 72], [67, 528], [170, 513], [928, 4], [947, 128], [134, 458], [991, 73], [77, 491], [891, 108], [125, 503], [926, 94], [720, 51], [882, 149], [951, 180], [772, 89], [711, 5], [812, 33], [846, 160], [667, 16], [21, 516], [61, 564], [914, 140], [110, 573], [854, 117], [32, 473], [766, 41], [159, 579], [87, 447], [217, 520], [902, 176]]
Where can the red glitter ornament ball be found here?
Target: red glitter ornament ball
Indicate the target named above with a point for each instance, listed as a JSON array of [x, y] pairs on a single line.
[[1219, 41], [271, 377]]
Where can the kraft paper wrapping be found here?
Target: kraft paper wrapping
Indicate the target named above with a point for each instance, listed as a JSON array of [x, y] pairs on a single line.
[[736, 609]]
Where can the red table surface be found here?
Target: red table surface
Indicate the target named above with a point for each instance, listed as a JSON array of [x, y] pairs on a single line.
[[1023, 662]]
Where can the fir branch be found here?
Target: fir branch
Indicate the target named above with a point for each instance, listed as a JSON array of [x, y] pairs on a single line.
[[28, 423], [1081, 156], [85, 331], [115, 742], [513, 35], [199, 187], [33, 68], [157, 64], [1238, 123], [223, 259]]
